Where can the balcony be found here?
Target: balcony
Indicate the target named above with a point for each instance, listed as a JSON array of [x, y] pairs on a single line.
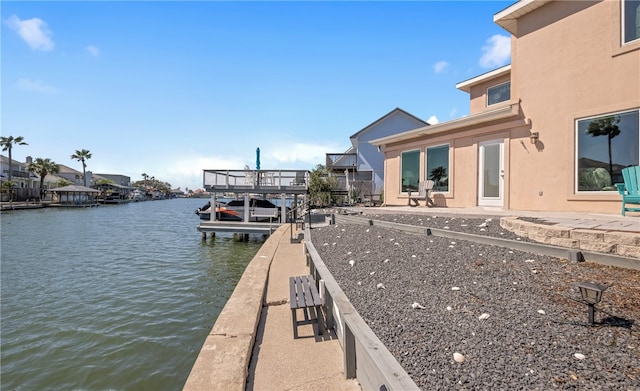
[[342, 161]]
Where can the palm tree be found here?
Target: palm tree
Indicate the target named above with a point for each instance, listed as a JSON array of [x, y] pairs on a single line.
[[145, 176], [82, 156], [437, 174], [64, 182], [7, 145], [43, 167], [605, 126]]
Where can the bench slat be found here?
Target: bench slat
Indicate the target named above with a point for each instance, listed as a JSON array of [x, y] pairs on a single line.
[[292, 293], [314, 294], [308, 298], [300, 293]]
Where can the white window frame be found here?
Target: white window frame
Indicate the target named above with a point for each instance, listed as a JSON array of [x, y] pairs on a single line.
[[401, 168], [622, 26], [426, 174], [498, 85]]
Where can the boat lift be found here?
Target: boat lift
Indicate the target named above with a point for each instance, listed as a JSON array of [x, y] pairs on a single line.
[[250, 183]]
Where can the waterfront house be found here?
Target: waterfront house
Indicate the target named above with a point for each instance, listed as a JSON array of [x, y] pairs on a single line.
[[118, 179], [73, 175], [551, 131], [115, 188], [362, 165], [27, 184]]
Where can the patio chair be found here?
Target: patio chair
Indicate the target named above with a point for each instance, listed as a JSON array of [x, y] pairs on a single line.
[[630, 189], [424, 188]]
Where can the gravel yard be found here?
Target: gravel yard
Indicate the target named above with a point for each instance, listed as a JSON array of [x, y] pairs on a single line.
[[510, 318]]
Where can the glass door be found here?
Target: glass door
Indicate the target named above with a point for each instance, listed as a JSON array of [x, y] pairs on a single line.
[[491, 173]]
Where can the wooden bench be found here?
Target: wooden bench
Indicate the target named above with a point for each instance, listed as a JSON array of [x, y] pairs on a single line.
[[630, 189], [424, 188], [304, 295]]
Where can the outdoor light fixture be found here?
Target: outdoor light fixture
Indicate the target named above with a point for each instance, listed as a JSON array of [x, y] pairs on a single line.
[[533, 137], [591, 293]]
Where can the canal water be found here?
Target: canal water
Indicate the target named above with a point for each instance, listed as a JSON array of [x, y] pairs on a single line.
[[111, 298]]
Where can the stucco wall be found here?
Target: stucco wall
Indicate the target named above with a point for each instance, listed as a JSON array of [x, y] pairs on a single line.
[[478, 94], [567, 63]]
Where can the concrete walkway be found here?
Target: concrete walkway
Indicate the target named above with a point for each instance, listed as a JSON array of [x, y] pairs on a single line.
[[280, 362], [251, 345]]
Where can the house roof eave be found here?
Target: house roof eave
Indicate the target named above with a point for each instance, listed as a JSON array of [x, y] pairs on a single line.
[[397, 109], [503, 112], [467, 84], [508, 17]]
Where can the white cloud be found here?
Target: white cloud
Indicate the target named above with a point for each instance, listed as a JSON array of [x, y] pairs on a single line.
[[301, 154], [433, 120], [33, 31], [496, 52], [36, 86], [453, 112], [440, 66], [94, 51], [186, 171]]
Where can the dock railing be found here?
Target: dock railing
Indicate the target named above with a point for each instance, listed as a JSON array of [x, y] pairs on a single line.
[[257, 181]]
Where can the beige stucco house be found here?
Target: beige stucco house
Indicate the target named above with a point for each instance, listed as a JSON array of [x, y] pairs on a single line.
[[549, 132]]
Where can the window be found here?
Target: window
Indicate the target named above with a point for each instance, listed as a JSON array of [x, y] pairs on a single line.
[[410, 168], [630, 20], [605, 145], [438, 167], [499, 93]]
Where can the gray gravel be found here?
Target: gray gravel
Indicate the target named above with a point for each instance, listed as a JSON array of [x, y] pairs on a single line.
[[535, 332]]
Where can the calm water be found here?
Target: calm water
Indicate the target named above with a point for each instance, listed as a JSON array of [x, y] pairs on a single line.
[[111, 298]]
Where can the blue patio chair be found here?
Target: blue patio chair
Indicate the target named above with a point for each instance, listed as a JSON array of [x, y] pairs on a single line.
[[630, 189]]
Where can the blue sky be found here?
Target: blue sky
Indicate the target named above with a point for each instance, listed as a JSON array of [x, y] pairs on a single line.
[[172, 88]]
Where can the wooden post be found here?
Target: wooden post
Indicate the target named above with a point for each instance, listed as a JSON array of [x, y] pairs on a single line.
[[349, 353]]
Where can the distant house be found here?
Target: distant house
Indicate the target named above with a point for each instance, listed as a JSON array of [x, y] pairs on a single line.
[[118, 179], [27, 184], [362, 164], [19, 175], [551, 131], [73, 175], [177, 193]]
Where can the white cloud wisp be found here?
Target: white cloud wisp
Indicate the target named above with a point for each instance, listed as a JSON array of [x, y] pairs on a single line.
[[496, 52], [440, 66], [94, 51], [34, 32], [35, 86]]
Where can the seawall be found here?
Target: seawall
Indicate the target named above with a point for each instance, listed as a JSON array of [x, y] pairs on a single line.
[[224, 358]]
